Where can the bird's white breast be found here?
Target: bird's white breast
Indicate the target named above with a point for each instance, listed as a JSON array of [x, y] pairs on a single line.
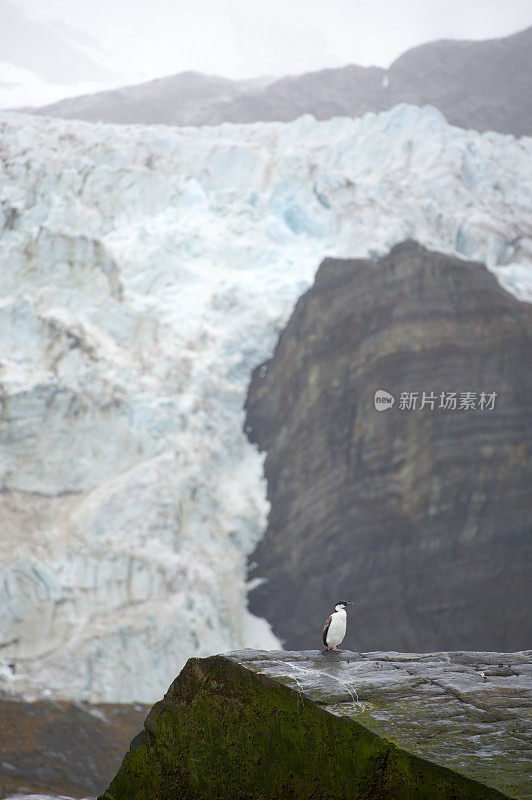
[[336, 631]]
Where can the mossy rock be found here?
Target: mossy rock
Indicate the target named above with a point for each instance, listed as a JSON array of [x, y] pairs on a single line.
[[230, 727]]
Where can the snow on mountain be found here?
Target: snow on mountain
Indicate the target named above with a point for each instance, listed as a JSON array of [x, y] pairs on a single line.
[[144, 271]]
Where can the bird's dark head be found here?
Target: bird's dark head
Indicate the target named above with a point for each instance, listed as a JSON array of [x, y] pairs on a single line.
[[341, 604]]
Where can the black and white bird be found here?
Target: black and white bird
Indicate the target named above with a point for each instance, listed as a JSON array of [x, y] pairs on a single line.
[[334, 628]]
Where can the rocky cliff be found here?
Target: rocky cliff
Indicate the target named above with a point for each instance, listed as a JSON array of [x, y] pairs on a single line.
[[420, 513], [310, 724], [482, 85]]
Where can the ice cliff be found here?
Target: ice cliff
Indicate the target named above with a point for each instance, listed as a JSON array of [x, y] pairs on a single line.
[[144, 272]]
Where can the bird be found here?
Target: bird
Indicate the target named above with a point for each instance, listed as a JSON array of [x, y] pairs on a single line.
[[334, 628]]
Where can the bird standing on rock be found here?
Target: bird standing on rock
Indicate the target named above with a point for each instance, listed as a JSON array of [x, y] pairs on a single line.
[[334, 628]]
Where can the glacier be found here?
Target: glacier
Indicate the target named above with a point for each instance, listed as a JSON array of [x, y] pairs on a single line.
[[144, 272]]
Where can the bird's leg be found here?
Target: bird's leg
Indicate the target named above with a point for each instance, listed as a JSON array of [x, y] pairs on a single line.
[[338, 650]]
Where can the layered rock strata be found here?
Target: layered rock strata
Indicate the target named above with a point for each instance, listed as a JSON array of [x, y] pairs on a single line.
[[419, 513]]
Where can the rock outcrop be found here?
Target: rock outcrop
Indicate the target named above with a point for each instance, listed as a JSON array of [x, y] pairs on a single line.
[[419, 515], [377, 726], [482, 85]]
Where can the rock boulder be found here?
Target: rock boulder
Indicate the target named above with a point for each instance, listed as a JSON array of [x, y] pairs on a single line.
[[256, 724]]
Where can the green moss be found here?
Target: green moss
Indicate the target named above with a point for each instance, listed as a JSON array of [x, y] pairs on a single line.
[[223, 731], [139, 768]]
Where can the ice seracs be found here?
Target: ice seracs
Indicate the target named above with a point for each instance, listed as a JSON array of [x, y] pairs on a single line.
[[144, 272]]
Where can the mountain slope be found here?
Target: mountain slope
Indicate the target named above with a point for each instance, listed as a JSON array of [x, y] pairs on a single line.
[[176, 100], [481, 85]]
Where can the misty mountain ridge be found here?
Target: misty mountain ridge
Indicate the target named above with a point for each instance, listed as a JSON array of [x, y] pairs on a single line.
[[482, 85], [55, 53]]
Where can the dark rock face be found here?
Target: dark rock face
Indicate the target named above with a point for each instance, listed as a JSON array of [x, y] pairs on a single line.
[[421, 517], [474, 84], [379, 726], [62, 748], [482, 85]]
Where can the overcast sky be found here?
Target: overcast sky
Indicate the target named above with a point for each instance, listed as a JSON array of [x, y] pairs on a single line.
[[245, 38]]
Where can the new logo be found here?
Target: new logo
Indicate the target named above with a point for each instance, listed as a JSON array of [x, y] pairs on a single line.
[[383, 400]]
